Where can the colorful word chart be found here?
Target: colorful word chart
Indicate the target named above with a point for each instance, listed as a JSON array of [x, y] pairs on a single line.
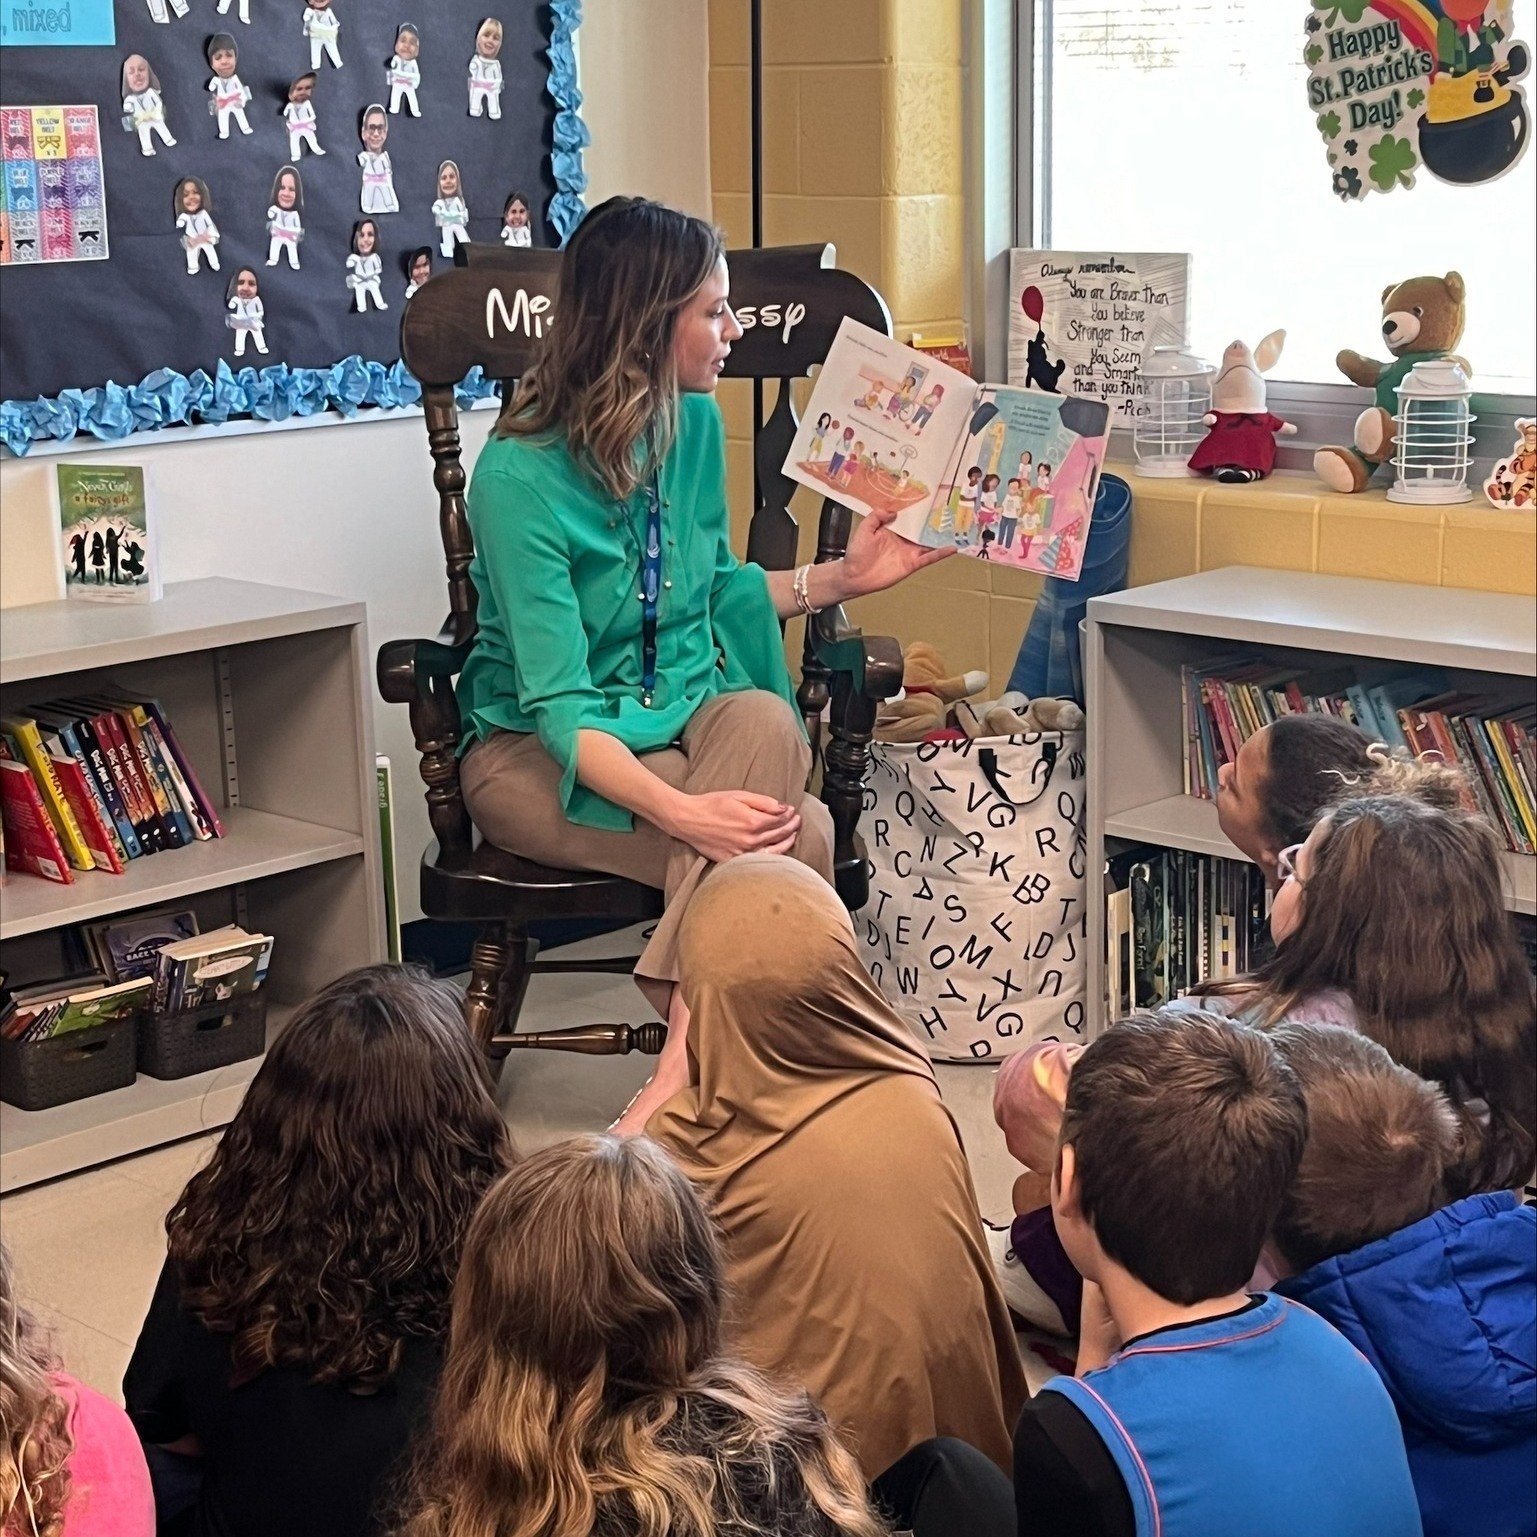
[[54, 207]]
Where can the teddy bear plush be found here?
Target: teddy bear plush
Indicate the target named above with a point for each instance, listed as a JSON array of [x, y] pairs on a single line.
[[928, 692], [1422, 320]]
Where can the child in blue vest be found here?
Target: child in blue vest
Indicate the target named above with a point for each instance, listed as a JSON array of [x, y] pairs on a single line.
[[1199, 1410], [1438, 1297]]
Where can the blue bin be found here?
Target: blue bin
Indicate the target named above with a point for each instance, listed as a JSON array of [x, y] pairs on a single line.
[[1050, 657]]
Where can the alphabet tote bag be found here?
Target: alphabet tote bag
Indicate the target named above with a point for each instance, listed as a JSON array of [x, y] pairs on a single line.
[[975, 927]]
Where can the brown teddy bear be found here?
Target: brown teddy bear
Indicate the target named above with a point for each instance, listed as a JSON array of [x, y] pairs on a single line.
[[1422, 320]]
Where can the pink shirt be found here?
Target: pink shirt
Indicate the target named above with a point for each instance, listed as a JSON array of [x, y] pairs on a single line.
[[110, 1494]]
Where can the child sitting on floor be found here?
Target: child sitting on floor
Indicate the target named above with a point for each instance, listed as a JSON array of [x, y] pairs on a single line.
[[70, 1463], [1198, 1409], [297, 1330], [1437, 1297], [587, 1390]]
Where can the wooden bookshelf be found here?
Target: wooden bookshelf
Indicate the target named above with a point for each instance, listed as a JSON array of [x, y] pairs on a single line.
[[270, 693], [1137, 641]]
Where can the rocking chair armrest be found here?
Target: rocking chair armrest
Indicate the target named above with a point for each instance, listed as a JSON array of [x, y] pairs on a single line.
[[406, 667], [873, 663]]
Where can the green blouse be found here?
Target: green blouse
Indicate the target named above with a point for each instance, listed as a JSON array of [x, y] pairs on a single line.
[[557, 567]]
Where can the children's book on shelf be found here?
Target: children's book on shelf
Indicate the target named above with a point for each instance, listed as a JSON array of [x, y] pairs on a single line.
[[1174, 919], [31, 843], [1081, 322], [108, 541], [210, 968], [48, 1009], [127, 948], [1002, 474]]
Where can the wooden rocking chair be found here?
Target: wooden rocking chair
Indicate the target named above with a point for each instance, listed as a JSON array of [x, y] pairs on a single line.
[[490, 313]]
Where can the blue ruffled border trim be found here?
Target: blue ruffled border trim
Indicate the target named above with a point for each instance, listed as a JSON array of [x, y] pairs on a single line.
[[570, 132], [275, 393]]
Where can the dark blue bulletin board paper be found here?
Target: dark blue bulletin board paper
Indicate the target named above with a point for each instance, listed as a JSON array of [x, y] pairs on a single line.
[[79, 325]]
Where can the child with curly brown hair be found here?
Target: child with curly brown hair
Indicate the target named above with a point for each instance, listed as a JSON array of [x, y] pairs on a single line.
[[297, 1329]]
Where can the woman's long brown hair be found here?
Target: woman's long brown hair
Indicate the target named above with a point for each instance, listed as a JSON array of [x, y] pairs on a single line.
[[1404, 912], [604, 376], [35, 1440], [585, 1360], [326, 1228]]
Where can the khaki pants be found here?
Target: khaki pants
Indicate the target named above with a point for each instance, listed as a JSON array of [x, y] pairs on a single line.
[[743, 741]]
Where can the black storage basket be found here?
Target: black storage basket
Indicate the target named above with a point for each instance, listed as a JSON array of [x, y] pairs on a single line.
[[176, 1045], [37, 1075]]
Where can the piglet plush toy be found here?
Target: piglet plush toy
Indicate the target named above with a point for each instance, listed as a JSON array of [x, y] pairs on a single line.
[[1241, 444]]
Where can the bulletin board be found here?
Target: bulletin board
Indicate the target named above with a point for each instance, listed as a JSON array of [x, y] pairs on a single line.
[[132, 340]]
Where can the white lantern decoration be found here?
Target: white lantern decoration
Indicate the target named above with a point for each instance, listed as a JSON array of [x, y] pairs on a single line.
[[1173, 394], [1432, 449]]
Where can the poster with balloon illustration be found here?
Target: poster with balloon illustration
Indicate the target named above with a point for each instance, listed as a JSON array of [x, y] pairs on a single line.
[[1081, 321], [1396, 85]]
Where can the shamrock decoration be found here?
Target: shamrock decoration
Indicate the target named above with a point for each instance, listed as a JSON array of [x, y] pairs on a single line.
[[1347, 183], [1416, 97], [1351, 10], [1313, 22], [1312, 53], [1333, 158], [1329, 124], [1393, 162], [1351, 146]]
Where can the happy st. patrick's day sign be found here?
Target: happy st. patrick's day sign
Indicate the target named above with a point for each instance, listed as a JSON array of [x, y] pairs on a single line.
[[1400, 84]]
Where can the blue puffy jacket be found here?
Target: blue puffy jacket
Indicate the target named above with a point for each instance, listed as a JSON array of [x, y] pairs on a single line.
[[1446, 1310]]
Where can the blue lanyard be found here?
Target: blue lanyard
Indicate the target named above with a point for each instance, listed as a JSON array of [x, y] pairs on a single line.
[[650, 588]]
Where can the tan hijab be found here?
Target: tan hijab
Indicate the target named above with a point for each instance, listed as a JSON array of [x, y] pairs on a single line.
[[815, 1126]]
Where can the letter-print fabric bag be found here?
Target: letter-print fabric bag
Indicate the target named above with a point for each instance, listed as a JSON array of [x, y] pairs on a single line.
[[975, 927]]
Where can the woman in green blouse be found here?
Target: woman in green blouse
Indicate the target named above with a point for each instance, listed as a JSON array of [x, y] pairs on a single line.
[[627, 703]]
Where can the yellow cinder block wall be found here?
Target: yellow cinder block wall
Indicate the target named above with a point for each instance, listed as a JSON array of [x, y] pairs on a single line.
[[863, 113]]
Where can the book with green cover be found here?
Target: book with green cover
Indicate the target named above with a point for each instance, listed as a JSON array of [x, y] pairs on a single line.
[[109, 551]]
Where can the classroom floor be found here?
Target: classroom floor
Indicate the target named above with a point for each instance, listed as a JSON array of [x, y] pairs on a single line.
[[88, 1247]]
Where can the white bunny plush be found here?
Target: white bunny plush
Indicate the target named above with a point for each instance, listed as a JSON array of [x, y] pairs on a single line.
[[1241, 444]]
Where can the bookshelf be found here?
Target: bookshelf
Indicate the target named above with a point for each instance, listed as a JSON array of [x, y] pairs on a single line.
[[1136, 642], [270, 693]]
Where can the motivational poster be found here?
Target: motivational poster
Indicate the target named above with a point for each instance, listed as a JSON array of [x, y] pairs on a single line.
[[1081, 321]]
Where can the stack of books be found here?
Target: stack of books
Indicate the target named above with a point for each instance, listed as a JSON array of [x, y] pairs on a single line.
[[1489, 737], [151, 960], [47, 1009], [93, 782], [1173, 919]]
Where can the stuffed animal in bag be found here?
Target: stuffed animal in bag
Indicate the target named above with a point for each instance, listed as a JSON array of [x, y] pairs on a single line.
[[1422, 321], [1240, 446], [928, 692]]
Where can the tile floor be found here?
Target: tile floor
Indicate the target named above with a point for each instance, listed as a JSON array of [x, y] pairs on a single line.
[[88, 1247]]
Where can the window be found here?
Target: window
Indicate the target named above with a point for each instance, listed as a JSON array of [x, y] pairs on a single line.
[[1163, 127]]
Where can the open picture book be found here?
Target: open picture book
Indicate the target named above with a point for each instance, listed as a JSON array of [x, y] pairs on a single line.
[[1005, 474]]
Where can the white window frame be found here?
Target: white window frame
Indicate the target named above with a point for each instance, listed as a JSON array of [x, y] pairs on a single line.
[[1001, 196]]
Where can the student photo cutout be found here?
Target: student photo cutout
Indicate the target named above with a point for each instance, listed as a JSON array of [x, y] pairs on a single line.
[[378, 194], [194, 218], [365, 266], [227, 97], [143, 107], [322, 28], [246, 316], [299, 114], [404, 73], [285, 217], [486, 71], [418, 268], [449, 212], [516, 229]]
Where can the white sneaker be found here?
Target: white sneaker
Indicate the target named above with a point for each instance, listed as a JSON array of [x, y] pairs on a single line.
[[1024, 1297]]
